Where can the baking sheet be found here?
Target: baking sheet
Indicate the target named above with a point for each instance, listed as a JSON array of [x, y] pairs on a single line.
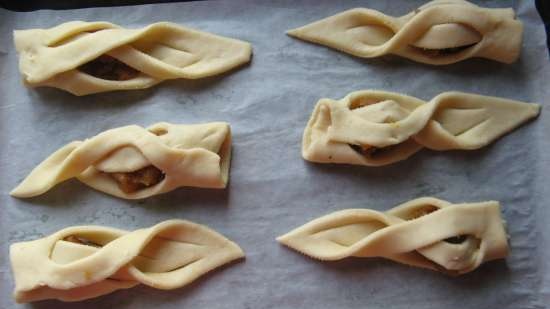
[[272, 190]]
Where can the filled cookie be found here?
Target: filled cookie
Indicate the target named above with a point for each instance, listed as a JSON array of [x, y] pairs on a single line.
[[439, 32], [133, 162], [91, 57], [377, 128], [425, 232], [83, 262]]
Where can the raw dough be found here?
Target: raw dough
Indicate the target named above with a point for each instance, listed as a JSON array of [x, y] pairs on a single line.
[[83, 262], [186, 155], [60, 56], [425, 232], [377, 128], [439, 32]]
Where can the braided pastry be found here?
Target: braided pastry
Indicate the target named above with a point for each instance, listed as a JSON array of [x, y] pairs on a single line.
[[439, 32], [83, 262], [425, 232], [90, 57], [132, 162], [376, 128]]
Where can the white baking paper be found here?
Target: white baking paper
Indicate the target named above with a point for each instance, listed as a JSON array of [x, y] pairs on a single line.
[[272, 190]]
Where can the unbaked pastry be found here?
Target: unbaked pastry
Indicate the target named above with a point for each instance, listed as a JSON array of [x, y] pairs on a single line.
[[425, 232], [90, 57], [376, 128], [439, 32], [133, 162], [83, 262]]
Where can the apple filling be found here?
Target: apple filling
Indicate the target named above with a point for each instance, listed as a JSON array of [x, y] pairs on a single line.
[[109, 68], [133, 181]]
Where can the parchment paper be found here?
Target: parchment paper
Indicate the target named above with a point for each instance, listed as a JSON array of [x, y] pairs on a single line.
[[272, 190]]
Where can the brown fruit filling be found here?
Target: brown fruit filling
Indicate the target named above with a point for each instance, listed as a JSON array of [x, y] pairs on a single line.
[[367, 151], [109, 68], [371, 151], [133, 181]]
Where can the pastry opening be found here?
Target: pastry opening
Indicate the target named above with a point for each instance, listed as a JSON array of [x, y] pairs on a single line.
[[158, 131], [160, 48], [347, 235], [146, 177], [82, 241], [421, 211], [372, 152], [362, 102], [109, 68], [373, 33], [442, 52], [170, 268], [456, 240], [224, 152], [364, 150]]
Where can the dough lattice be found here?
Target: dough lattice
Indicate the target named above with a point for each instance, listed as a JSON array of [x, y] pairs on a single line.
[[439, 32], [425, 232]]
